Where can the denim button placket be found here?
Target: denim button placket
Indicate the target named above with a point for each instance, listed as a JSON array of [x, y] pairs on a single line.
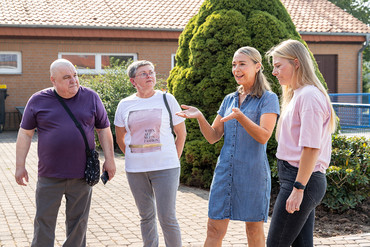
[[229, 188]]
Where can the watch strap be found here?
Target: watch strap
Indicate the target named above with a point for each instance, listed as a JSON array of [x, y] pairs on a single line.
[[298, 185]]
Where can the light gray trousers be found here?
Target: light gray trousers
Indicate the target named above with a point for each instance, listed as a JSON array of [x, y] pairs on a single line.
[[49, 195], [156, 191]]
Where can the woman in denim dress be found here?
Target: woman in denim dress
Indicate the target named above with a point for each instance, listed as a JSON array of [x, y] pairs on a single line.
[[304, 146], [241, 183]]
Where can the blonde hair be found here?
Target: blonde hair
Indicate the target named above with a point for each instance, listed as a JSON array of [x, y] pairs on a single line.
[[260, 84], [291, 50]]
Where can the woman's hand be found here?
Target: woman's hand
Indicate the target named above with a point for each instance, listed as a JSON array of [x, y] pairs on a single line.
[[189, 112], [294, 201], [235, 114], [307, 163], [211, 133]]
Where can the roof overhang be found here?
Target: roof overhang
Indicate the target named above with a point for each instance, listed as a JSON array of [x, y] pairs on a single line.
[[333, 37], [122, 33], [88, 33]]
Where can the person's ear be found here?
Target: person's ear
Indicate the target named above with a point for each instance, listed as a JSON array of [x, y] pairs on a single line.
[[258, 67], [132, 80], [52, 80], [296, 63]]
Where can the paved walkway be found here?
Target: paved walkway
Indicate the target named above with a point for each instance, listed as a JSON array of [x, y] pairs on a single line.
[[113, 219]]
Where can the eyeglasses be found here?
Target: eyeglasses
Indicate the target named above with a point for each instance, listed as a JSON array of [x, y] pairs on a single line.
[[145, 75]]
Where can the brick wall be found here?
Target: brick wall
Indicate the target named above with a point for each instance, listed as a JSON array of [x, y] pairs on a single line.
[[347, 63]]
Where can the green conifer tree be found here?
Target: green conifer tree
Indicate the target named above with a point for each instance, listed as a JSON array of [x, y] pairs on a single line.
[[202, 76]]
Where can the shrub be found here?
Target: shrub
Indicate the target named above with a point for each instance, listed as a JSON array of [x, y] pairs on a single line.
[[348, 174], [112, 86], [202, 76]]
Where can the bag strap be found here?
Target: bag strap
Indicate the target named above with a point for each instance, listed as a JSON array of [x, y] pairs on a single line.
[[78, 125], [169, 112]]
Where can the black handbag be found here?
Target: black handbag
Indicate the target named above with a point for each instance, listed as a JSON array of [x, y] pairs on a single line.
[[92, 169]]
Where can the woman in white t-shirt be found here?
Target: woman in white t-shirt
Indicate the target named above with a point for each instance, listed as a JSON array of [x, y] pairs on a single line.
[[304, 145], [144, 134]]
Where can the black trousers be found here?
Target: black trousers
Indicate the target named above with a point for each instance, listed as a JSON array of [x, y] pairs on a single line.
[[295, 229]]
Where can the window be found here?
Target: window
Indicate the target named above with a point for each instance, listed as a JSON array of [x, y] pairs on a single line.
[[95, 63], [10, 62], [173, 60]]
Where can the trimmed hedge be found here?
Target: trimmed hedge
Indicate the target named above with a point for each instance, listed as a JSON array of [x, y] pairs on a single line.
[[348, 173]]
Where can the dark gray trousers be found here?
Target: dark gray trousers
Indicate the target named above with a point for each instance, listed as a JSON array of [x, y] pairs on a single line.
[[49, 195], [295, 229]]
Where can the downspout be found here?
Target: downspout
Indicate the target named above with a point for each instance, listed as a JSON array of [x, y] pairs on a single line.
[[359, 67]]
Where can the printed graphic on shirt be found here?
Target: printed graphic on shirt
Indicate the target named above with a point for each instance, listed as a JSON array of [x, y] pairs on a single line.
[[145, 128]]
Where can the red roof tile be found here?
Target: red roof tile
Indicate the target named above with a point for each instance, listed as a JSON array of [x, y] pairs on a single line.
[[307, 15], [322, 16], [131, 14]]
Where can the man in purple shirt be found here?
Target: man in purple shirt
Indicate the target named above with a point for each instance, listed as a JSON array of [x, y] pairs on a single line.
[[61, 152]]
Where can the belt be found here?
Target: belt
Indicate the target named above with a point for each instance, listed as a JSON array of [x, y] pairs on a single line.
[[146, 145]]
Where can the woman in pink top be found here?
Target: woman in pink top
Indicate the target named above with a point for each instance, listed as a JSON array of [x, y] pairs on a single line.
[[304, 145]]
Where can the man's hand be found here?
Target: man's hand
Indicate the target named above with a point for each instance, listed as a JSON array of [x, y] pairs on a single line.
[[110, 167], [21, 176]]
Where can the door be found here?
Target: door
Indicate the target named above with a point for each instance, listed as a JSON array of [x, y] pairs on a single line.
[[328, 66]]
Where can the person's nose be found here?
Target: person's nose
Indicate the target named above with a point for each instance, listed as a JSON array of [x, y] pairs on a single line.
[[73, 79], [274, 72]]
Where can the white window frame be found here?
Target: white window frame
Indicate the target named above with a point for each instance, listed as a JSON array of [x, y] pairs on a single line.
[[18, 70], [98, 69], [173, 57]]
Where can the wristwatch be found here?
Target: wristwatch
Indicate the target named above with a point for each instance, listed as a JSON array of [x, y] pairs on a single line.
[[298, 185]]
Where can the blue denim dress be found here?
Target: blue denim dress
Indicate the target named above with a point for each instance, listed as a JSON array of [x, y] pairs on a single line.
[[241, 182]]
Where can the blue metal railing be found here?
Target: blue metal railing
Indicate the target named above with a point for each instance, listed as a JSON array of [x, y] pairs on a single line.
[[357, 98], [353, 116], [353, 110]]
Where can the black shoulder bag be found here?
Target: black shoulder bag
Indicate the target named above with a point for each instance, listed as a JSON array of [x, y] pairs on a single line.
[[92, 169], [169, 112]]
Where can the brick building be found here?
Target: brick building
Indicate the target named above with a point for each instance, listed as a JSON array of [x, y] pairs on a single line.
[[35, 33]]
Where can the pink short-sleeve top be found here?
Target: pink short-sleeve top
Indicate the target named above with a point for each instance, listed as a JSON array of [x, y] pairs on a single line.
[[305, 123]]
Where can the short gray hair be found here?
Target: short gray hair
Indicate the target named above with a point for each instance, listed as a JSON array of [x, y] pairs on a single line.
[[131, 70]]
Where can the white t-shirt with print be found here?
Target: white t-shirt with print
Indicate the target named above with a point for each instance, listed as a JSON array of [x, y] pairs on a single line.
[[150, 145]]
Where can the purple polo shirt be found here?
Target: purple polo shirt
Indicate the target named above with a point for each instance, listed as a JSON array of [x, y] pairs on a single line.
[[61, 147]]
